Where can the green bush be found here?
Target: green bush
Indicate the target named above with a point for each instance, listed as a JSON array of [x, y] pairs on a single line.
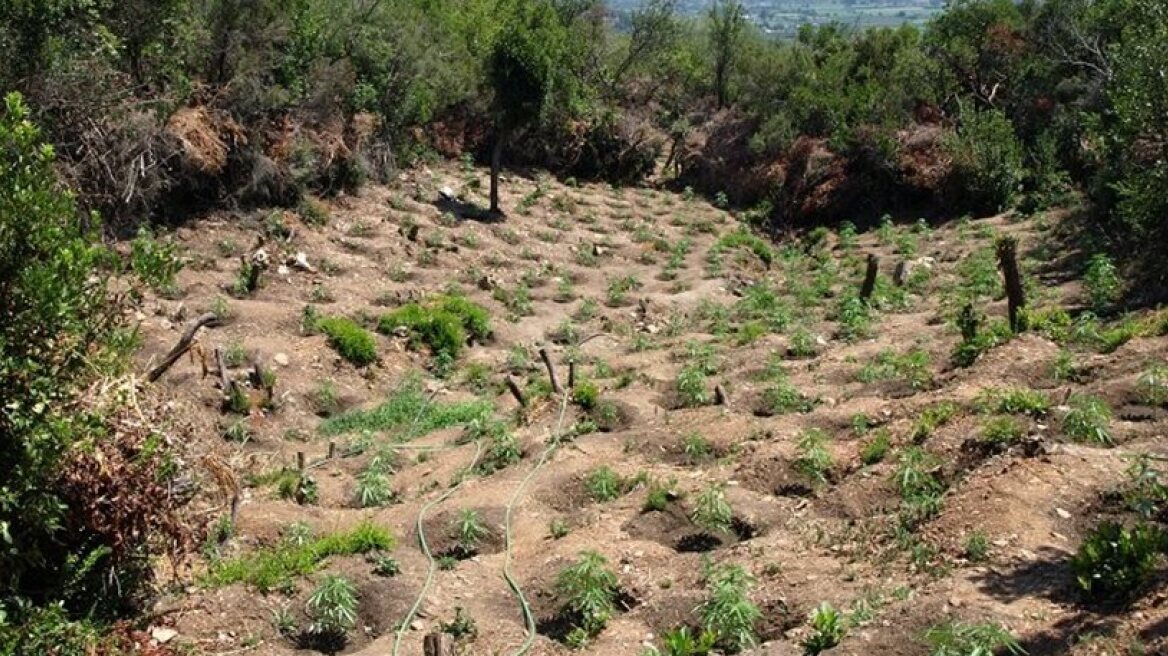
[[586, 395], [1089, 419], [58, 330], [958, 639], [442, 324], [1114, 561], [1102, 283], [349, 339], [987, 161]]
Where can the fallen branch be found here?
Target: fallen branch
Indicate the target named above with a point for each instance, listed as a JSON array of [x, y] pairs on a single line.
[[180, 349]]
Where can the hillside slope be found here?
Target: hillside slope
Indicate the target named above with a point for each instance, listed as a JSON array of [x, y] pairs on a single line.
[[659, 301]]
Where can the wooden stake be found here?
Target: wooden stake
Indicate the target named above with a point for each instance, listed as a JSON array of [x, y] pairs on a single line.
[[184, 345], [870, 277], [1007, 249], [332, 450], [551, 369], [516, 391], [572, 375], [300, 461], [720, 396], [224, 381]]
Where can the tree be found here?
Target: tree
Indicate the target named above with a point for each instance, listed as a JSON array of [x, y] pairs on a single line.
[[727, 23], [653, 30], [526, 73]]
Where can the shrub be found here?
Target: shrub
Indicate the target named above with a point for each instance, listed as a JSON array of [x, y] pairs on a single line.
[[784, 398], [712, 512], [827, 629], [62, 538], [1002, 431], [603, 484], [469, 530], [691, 387], [932, 418], [876, 448], [1114, 561], [743, 239], [727, 611], [586, 394], [442, 324], [958, 639], [1088, 420], [155, 262], [589, 591], [350, 340], [273, 567], [1102, 283], [1014, 400], [815, 460], [332, 607], [1152, 385], [987, 169]]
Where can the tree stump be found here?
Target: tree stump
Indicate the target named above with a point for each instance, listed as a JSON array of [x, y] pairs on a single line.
[[870, 277], [437, 644], [1007, 250], [551, 369]]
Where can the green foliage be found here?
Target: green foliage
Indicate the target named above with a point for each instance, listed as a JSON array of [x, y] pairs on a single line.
[[815, 460], [1002, 431], [332, 607], [854, 318], [959, 639], [987, 161], [911, 367], [691, 387], [349, 340], [154, 261], [712, 512], [876, 448], [469, 529], [589, 590], [1152, 385], [1088, 420], [603, 484], [784, 398], [442, 324], [273, 567], [407, 407], [682, 642], [59, 330], [1013, 400], [827, 629], [1114, 561], [1102, 283], [932, 418], [977, 547], [743, 239], [727, 611], [586, 395]]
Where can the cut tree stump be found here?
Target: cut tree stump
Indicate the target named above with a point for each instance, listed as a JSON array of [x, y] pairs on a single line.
[[870, 277], [551, 369], [184, 345], [1007, 250], [437, 644]]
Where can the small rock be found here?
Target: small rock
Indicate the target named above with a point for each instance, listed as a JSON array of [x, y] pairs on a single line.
[[416, 625], [1062, 513], [448, 194], [955, 602], [282, 359], [165, 324], [282, 270], [162, 634]]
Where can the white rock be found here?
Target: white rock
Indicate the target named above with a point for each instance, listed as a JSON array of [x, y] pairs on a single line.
[[1062, 513], [282, 359], [162, 634]]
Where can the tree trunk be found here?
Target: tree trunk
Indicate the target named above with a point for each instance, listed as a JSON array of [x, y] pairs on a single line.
[[870, 277], [496, 164], [1007, 248]]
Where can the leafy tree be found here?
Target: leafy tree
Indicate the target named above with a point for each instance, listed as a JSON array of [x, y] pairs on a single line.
[[727, 24], [526, 72]]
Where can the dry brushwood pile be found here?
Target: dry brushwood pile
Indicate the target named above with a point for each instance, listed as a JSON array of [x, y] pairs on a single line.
[[618, 423]]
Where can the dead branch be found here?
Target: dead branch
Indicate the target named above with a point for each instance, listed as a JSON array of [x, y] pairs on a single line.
[[184, 345]]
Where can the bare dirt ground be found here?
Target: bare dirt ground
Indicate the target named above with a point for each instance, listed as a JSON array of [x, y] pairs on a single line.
[[805, 543]]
